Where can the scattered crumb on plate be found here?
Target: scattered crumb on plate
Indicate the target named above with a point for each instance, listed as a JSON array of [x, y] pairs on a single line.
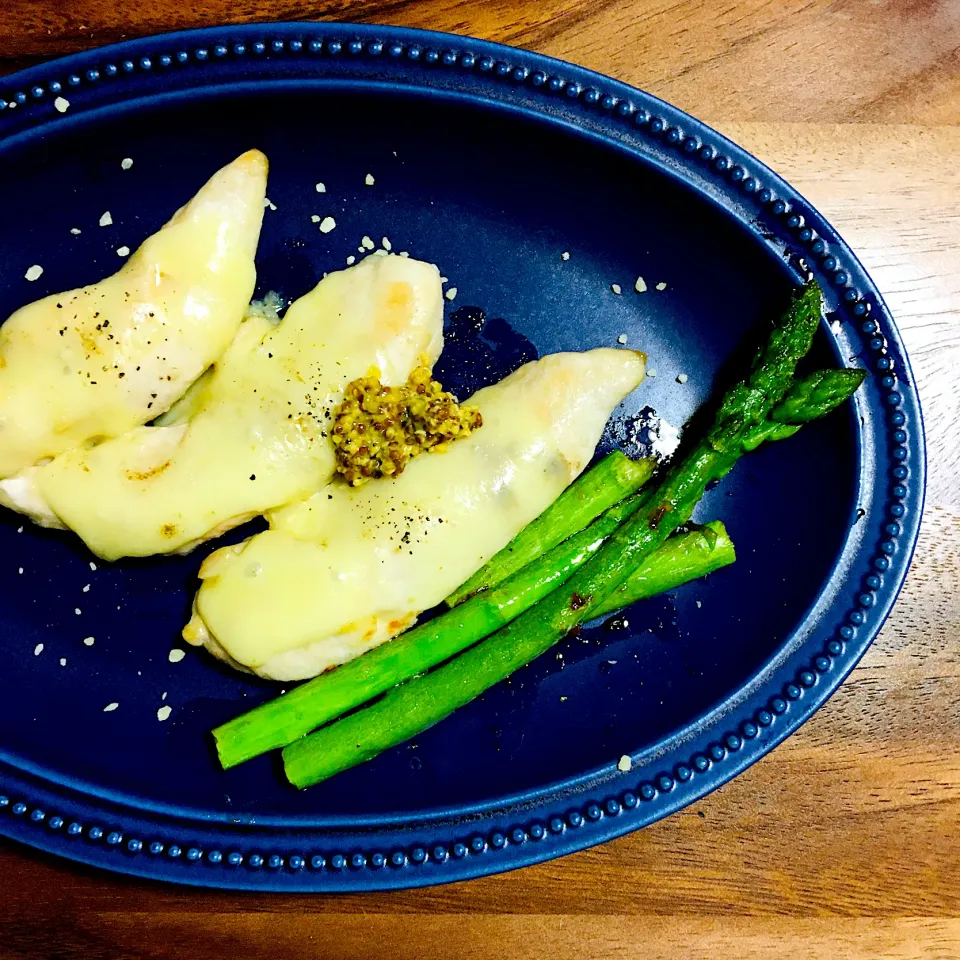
[[661, 286], [682, 378], [126, 163], [106, 218], [34, 272], [315, 218], [176, 655], [164, 712], [110, 707], [123, 251], [368, 180], [615, 287], [61, 104], [624, 764], [451, 293], [641, 285], [327, 224]]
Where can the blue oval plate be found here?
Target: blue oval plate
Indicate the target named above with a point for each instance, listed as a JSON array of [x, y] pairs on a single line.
[[491, 162]]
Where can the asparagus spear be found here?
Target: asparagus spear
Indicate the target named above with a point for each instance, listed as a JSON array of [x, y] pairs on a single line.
[[422, 702], [612, 479], [685, 557]]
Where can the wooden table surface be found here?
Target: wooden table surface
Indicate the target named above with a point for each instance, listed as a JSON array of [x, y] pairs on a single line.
[[846, 842]]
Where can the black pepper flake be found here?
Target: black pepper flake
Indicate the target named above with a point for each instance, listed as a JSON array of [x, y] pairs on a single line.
[[121, 375], [253, 476]]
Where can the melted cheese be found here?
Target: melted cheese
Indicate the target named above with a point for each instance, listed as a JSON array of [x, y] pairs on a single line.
[[91, 363], [253, 434], [351, 567]]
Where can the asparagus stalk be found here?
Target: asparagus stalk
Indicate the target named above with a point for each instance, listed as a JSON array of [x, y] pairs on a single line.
[[612, 479], [685, 557], [424, 701]]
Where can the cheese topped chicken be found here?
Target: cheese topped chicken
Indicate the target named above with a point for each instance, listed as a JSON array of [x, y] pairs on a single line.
[[79, 367], [254, 434], [351, 567]]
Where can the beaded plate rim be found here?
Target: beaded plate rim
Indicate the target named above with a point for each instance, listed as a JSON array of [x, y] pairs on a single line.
[[291, 856]]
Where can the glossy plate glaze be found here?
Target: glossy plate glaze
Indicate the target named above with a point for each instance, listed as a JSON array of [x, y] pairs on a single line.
[[494, 163]]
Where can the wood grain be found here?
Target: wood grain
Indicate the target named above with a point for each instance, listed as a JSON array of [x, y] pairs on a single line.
[[846, 842]]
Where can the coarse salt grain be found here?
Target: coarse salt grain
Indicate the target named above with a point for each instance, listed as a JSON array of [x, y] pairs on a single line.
[[175, 655], [163, 696], [93, 566], [75, 230], [19, 569], [451, 293], [563, 699], [315, 218], [268, 203], [88, 641], [86, 589], [622, 338], [38, 649], [351, 260], [367, 243], [682, 378], [19, 529], [641, 285], [699, 604], [321, 188], [163, 713], [123, 251], [76, 610], [327, 224], [110, 707], [652, 372], [661, 286], [106, 218], [835, 326], [368, 180], [624, 764], [61, 104], [34, 272], [615, 287], [565, 255], [380, 253], [403, 253], [385, 243], [63, 661], [126, 163]]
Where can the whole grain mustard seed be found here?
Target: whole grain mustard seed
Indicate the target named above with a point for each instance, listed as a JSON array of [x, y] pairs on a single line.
[[377, 429]]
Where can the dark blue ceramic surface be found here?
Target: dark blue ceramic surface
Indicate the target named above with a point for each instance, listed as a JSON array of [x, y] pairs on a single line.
[[491, 162]]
